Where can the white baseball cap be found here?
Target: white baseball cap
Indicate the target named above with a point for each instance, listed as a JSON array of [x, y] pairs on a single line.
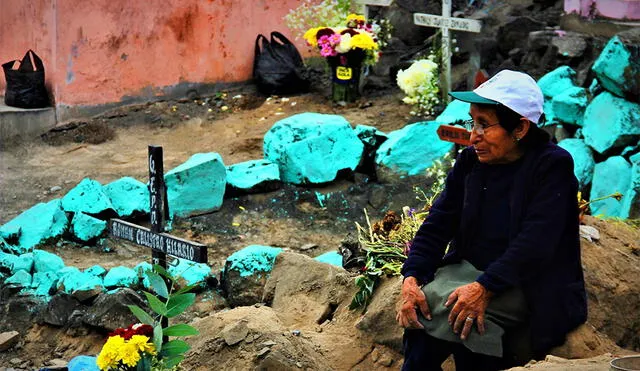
[[515, 90]]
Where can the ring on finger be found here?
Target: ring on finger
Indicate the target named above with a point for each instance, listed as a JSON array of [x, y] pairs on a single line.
[[470, 319]]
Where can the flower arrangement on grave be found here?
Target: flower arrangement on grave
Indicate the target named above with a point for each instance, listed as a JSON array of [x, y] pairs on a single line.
[[420, 83], [347, 50], [146, 346]]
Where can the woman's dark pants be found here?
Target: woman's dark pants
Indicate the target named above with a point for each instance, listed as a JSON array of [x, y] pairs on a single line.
[[426, 353]]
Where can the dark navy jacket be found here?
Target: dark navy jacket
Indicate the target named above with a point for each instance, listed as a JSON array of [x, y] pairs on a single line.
[[543, 256]]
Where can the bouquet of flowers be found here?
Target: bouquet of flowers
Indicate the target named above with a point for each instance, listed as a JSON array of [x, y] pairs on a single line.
[[128, 348], [420, 82]]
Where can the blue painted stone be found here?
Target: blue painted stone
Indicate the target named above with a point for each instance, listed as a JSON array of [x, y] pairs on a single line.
[[21, 278], [23, 262], [96, 270], [87, 197], [370, 135], [38, 224], [331, 257], [120, 276], [569, 105], [412, 149], [44, 261], [10, 232], [193, 273], [7, 260], [557, 81], [612, 175], [83, 363], [43, 282], [128, 196], [86, 227], [252, 259], [252, 174], [456, 110], [141, 270], [550, 117], [311, 148], [196, 186], [610, 122], [71, 279], [631, 199], [582, 159], [613, 66]]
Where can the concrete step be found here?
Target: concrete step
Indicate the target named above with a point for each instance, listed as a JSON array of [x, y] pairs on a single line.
[[19, 123]]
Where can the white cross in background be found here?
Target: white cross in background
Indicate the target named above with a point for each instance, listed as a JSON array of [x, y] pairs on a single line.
[[446, 23]]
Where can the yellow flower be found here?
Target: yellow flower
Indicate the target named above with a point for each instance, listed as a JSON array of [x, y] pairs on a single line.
[[363, 41], [142, 344], [355, 17], [109, 355], [310, 36], [129, 354]]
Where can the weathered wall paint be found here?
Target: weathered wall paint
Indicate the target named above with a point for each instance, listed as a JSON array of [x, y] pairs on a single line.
[[104, 51], [615, 9]]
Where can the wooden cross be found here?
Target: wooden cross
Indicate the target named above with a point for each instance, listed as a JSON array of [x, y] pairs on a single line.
[[160, 243], [446, 23]]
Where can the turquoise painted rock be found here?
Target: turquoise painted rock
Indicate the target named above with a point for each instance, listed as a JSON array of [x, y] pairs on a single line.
[[44, 261], [583, 162], [191, 272], [618, 68], [557, 82], [612, 175], [196, 186], [331, 257], [128, 196], [456, 110], [7, 260], [83, 363], [311, 148], [96, 270], [87, 197], [252, 259], [20, 278], [569, 106], [23, 262], [141, 270], [631, 200], [120, 276], [86, 227], [71, 279], [412, 149], [610, 121], [44, 282], [10, 232], [38, 224], [253, 176]]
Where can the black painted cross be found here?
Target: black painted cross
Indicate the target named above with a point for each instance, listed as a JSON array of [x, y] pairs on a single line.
[[160, 243]]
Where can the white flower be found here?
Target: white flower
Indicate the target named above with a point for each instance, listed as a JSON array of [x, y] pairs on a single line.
[[345, 44]]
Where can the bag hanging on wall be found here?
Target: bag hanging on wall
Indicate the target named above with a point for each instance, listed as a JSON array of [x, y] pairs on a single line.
[[25, 85], [278, 66]]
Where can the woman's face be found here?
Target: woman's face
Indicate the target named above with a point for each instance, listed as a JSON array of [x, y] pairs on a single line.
[[496, 145]]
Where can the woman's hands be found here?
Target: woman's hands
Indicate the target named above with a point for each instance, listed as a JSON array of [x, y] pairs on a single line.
[[412, 297], [471, 301]]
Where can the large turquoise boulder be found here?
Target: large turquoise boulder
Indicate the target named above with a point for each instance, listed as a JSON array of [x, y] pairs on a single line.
[[191, 272], [569, 106], [20, 278], [252, 259], [196, 186], [253, 176], [631, 201], [612, 175], [456, 110], [412, 149], [311, 148], [44, 261], [128, 196], [557, 82], [87, 197], [86, 227], [38, 224], [610, 121], [96, 270], [120, 276], [71, 279], [583, 162], [331, 257], [618, 67], [44, 282], [23, 262]]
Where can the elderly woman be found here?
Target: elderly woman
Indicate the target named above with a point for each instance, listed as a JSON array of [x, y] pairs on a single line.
[[494, 274]]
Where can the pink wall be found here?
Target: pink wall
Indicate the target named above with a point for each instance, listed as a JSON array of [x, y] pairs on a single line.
[[615, 9], [101, 51]]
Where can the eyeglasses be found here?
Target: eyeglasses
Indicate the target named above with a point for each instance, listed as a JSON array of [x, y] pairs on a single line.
[[478, 128]]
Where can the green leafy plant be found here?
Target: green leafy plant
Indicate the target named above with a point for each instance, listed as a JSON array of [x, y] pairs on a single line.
[[165, 304]]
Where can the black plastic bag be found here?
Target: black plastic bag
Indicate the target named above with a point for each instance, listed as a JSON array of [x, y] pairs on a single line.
[[278, 66], [25, 85]]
